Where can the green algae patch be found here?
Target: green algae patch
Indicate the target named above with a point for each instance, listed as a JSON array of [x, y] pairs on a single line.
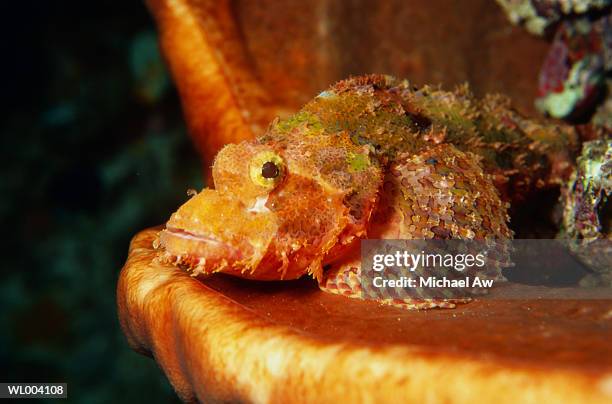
[[302, 119], [368, 120], [358, 162]]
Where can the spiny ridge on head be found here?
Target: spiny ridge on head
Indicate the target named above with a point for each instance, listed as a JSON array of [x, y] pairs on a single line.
[[371, 81]]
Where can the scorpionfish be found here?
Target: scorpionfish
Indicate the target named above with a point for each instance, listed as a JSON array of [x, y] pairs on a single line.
[[370, 157]]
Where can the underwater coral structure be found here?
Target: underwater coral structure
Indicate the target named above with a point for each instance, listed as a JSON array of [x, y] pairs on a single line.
[[573, 79], [538, 16], [587, 218]]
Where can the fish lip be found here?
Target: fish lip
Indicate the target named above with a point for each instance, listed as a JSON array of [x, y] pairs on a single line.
[[194, 236], [216, 249]]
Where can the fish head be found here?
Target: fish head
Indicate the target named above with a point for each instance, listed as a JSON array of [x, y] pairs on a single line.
[[283, 205]]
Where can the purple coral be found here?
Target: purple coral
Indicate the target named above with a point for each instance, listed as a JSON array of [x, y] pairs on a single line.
[[572, 78], [555, 69]]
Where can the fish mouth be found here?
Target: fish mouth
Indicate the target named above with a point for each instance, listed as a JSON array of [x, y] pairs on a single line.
[[187, 235], [198, 252]]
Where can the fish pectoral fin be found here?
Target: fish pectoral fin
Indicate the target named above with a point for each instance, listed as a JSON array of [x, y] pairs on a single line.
[[345, 279]]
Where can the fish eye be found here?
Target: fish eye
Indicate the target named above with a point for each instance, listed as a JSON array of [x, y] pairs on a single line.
[[269, 170], [266, 169]]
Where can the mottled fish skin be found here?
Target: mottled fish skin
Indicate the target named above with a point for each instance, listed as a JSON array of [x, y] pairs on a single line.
[[369, 157]]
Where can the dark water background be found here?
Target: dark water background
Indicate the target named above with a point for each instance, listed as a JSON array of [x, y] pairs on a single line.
[[93, 149]]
